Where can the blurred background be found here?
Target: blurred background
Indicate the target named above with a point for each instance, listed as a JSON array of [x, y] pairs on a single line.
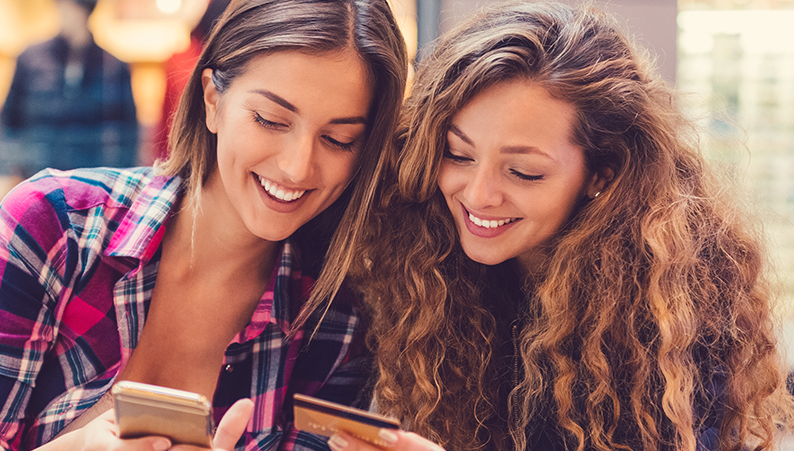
[[731, 60]]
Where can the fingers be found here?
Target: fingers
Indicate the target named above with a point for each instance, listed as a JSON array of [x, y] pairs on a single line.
[[147, 444], [138, 444], [108, 417], [100, 434], [396, 440], [343, 442], [183, 447], [232, 425]]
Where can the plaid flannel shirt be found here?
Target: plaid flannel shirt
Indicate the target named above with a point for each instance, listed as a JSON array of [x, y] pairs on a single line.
[[79, 253]]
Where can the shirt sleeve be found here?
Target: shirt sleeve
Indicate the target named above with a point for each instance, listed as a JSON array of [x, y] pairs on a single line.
[[29, 281]]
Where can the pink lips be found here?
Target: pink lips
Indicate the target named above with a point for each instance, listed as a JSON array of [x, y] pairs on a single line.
[[278, 205], [483, 232]]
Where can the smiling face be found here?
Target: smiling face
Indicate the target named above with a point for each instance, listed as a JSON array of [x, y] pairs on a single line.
[[510, 175], [289, 131]]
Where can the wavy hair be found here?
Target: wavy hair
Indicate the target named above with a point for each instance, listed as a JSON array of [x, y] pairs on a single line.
[[650, 320], [250, 28]]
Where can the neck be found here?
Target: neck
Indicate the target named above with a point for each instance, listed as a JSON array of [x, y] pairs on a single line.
[[77, 39], [202, 236]]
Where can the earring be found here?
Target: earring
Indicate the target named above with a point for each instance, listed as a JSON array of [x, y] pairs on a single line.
[[598, 193]]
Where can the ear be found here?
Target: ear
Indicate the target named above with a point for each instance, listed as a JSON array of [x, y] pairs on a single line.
[[211, 99], [599, 181]]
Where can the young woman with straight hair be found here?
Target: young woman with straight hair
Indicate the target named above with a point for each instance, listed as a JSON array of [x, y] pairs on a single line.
[[219, 271]]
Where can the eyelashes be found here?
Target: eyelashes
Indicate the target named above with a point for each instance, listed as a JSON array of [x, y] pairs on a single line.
[[341, 145], [346, 146], [523, 176], [457, 159], [266, 123]]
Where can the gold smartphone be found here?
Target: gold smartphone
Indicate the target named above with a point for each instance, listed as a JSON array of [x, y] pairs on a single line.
[[144, 409], [324, 418]]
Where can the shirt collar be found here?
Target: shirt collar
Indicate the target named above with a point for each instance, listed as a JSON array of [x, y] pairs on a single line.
[[139, 232], [286, 290]]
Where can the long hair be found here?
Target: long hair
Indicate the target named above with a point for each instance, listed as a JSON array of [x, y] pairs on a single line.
[[249, 28], [650, 320]]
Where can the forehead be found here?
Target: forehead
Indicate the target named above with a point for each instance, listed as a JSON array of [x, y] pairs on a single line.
[[325, 87], [297, 65], [521, 105], [312, 56]]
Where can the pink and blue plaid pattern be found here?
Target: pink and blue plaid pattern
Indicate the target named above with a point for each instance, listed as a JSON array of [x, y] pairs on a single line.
[[79, 253]]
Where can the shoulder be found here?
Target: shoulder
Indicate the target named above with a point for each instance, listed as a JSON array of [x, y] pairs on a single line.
[[41, 50], [106, 59], [86, 188], [59, 193]]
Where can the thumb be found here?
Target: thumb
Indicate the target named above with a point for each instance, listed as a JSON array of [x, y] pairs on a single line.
[[232, 425]]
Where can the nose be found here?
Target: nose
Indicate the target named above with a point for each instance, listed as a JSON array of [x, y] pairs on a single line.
[[296, 159], [483, 190]]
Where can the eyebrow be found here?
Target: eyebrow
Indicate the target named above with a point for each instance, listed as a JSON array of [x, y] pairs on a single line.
[[284, 103], [459, 133], [511, 150]]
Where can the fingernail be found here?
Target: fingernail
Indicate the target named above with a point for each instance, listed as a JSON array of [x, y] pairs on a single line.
[[161, 445], [389, 438], [337, 443]]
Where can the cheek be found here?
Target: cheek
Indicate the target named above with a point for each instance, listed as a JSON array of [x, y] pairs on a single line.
[[567, 206], [447, 180], [340, 170], [224, 159]]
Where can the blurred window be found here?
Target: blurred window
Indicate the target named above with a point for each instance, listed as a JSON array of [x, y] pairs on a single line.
[[736, 71]]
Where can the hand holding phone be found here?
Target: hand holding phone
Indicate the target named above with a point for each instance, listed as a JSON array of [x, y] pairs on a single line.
[[325, 418], [144, 410]]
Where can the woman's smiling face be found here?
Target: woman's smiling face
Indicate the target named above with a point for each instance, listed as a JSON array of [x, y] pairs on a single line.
[[511, 176], [289, 130]]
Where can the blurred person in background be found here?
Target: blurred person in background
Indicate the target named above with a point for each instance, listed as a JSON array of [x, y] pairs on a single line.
[[70, 103], [177, 69]]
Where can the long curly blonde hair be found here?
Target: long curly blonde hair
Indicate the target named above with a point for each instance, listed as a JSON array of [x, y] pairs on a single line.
[[651, 319]]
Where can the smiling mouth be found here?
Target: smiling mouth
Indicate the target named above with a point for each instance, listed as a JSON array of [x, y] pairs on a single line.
[[279, 192], [489, 223]]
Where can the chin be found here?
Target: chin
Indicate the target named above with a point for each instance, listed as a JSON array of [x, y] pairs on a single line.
[[485, 258], [270, 234]]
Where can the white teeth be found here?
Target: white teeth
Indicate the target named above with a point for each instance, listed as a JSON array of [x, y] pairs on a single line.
[[489, 224], [279, 192]]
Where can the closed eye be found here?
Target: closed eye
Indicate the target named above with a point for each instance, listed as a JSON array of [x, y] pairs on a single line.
[[346, 146], [523, 176], [455, 158], [268, 124]]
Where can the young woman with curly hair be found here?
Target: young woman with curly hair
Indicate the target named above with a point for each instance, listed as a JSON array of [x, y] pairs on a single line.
[[555, 267], [221, 270]]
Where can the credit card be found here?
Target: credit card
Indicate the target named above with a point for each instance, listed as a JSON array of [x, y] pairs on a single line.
[[324, 418]]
